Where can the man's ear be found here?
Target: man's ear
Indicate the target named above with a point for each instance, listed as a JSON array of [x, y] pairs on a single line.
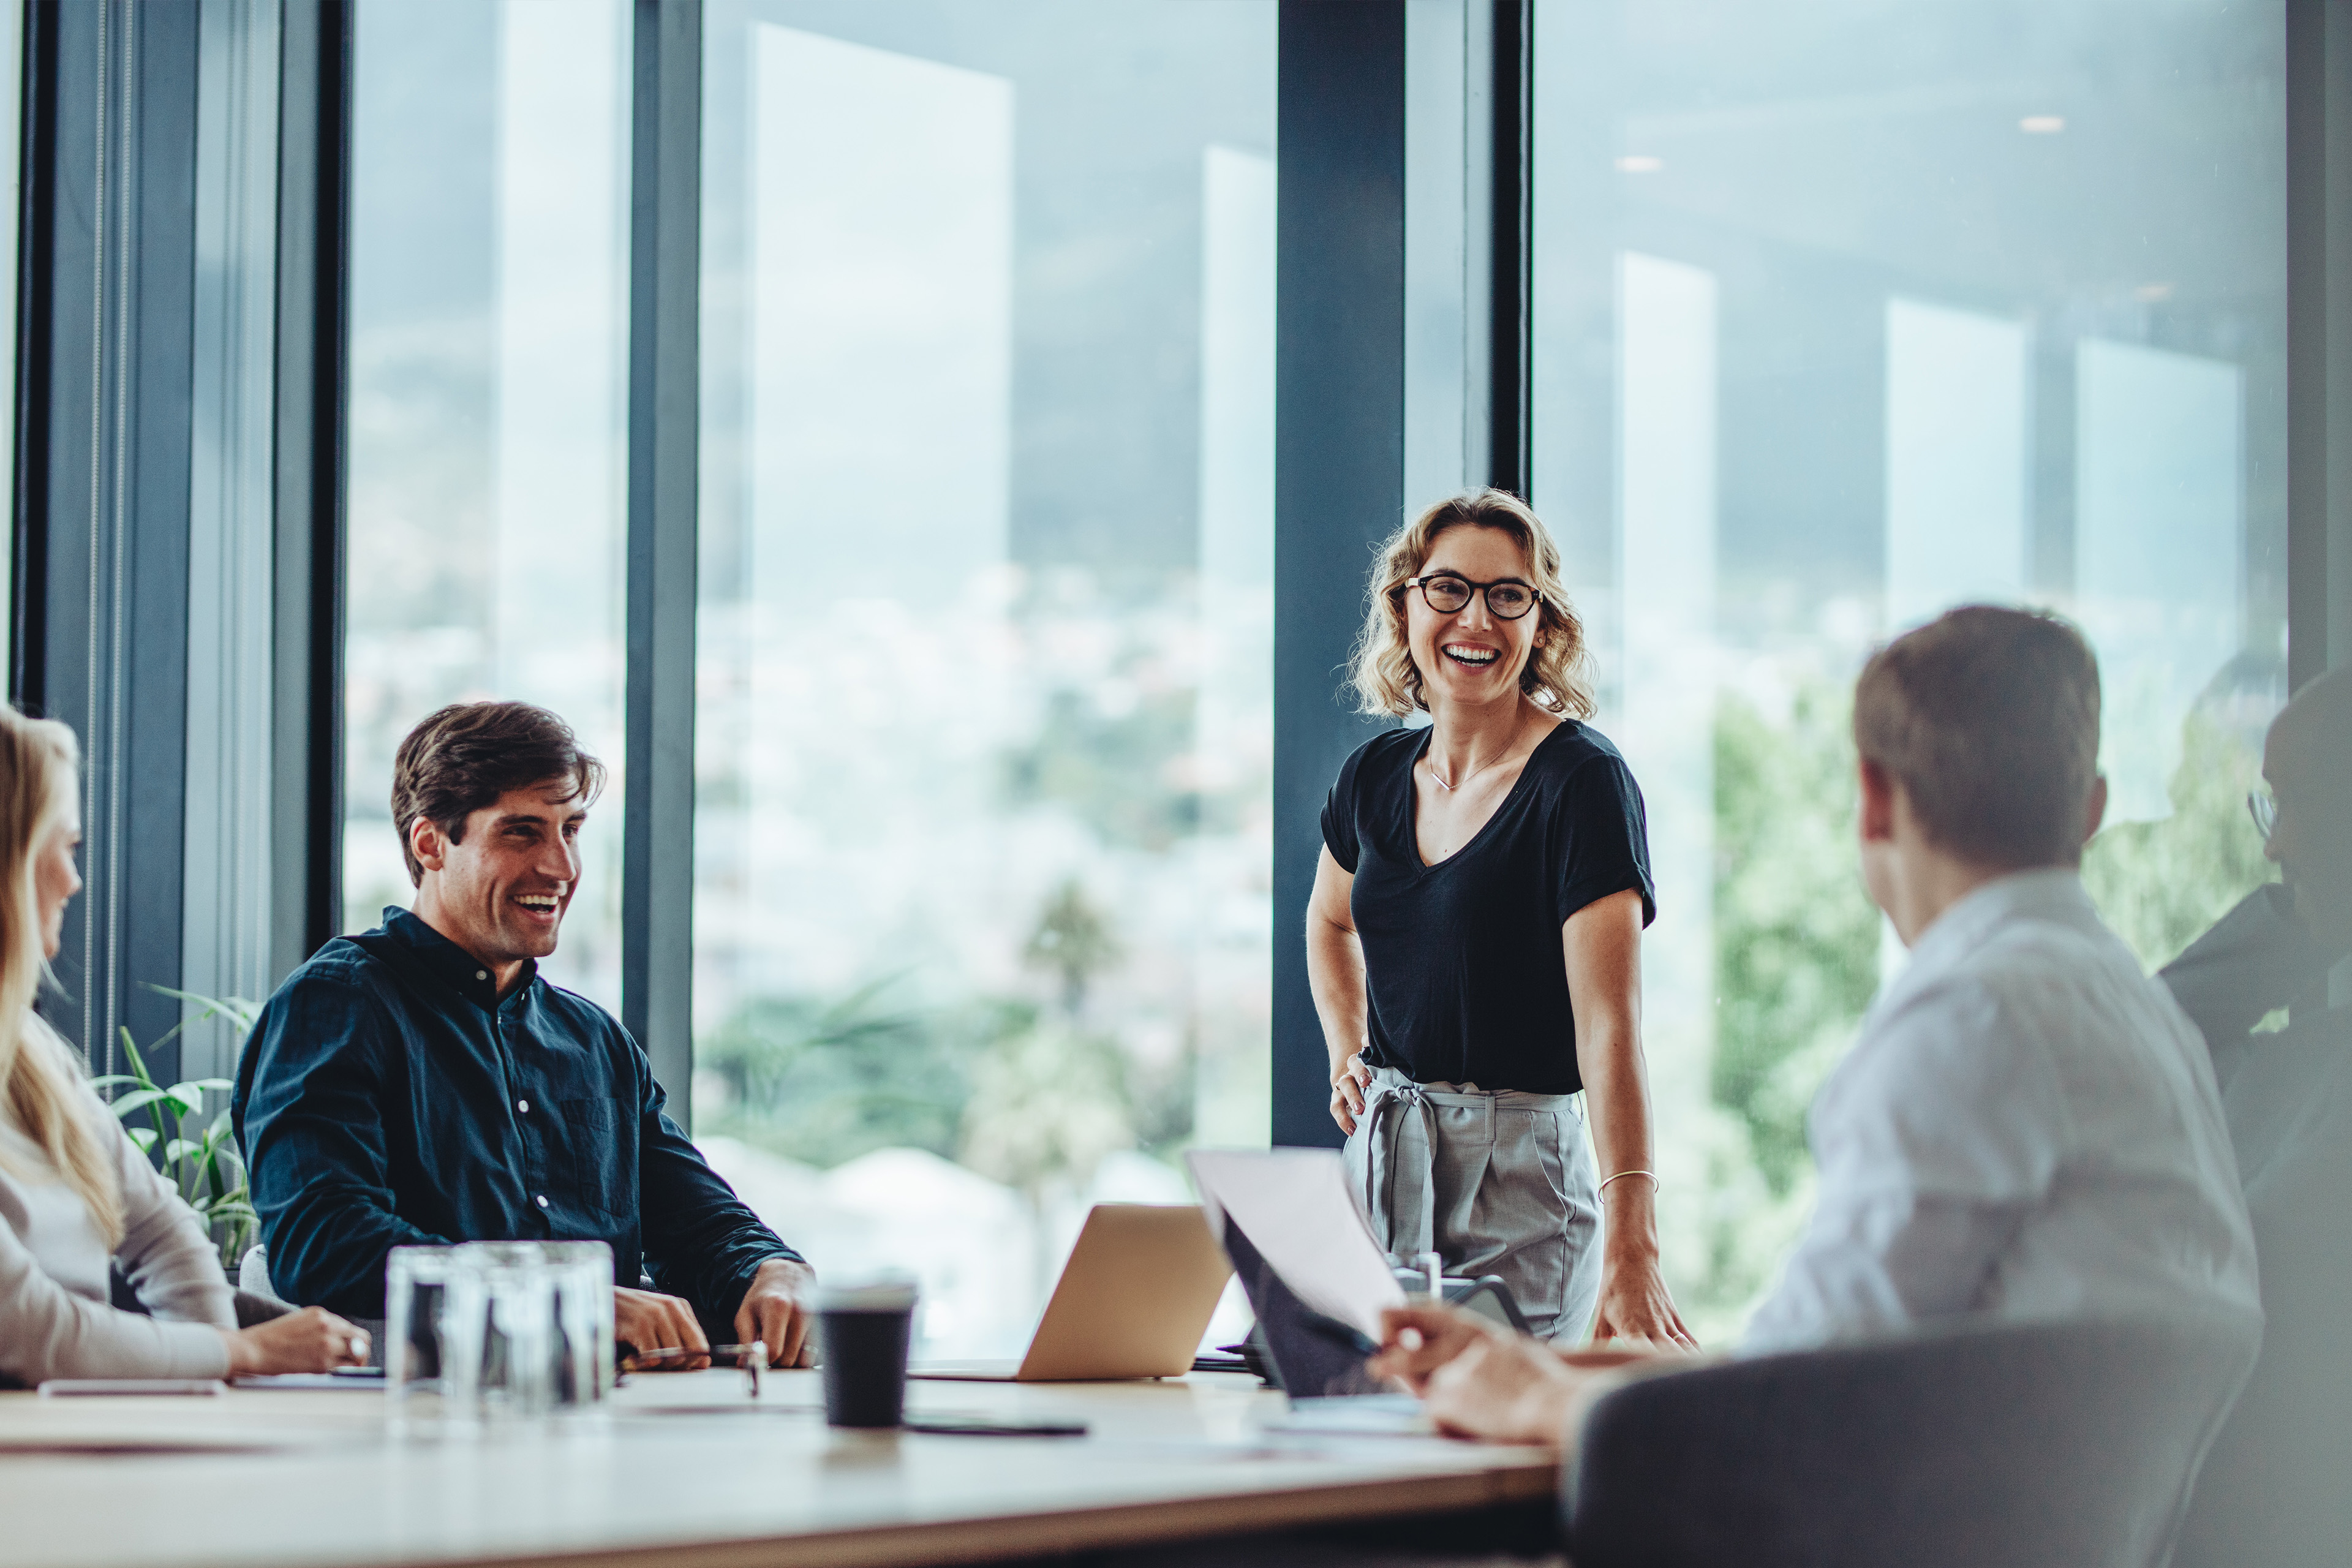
[[2094, 809], [428, 843], [1878, 792]]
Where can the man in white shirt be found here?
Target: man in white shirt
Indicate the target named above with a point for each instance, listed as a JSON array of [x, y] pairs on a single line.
[[2028, 1129]]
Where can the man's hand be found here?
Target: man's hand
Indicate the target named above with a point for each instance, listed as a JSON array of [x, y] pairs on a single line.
[[1418, 1339], [648, 1320], [1478, 1380], [775, 1312]]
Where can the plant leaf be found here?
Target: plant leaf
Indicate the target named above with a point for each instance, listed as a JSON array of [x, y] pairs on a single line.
[[239, 1012], [130, 1049], [143, 1136], [139, 1102], [190, 1098]]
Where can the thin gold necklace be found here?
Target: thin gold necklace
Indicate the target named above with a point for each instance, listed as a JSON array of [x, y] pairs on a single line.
[[1482, 767]]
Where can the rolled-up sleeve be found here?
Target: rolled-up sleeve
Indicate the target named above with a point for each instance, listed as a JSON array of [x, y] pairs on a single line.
[[308, 1114]]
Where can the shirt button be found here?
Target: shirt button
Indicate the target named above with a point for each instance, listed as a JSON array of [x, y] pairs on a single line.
[[481, 974], [543, 1200], [523, 1106]]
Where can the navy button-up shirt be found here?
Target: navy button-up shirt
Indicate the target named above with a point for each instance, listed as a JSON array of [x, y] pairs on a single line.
[[390, 1096]]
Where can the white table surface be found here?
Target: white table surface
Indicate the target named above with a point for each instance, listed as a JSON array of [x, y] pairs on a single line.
[[687, 1469]]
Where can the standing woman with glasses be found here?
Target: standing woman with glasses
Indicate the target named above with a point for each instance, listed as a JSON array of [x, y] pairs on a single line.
[[1473, 939]]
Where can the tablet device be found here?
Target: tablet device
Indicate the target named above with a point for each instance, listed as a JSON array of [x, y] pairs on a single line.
[[71, 1388], [990, 1427], [1316, 1282]]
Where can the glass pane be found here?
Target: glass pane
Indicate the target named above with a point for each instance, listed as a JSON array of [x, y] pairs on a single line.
[[12, 90], [488, 343], [1846, 313], [983, 838]]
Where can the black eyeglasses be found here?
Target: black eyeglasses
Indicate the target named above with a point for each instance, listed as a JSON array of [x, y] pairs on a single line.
[[1449, 593], [2263, 806]]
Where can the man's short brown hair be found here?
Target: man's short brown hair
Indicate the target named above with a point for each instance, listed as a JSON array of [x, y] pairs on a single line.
[[466, 756], [1989, 720]]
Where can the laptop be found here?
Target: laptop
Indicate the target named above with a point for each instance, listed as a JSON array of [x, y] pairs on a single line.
[[1133, 1302]]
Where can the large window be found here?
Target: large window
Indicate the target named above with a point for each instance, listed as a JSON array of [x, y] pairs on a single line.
[[488, 343], [1842, 313], [1845, 314], [982, 842]]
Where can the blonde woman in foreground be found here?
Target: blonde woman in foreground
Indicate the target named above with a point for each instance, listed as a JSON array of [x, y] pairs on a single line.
[[1475, 936], [75, 1191]]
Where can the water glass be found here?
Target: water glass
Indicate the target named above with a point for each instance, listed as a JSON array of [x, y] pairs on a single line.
[[432, 1332], [583, 1373], [517, 1315]]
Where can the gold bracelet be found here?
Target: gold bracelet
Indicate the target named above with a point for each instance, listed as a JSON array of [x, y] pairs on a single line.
[[1605, 1186]]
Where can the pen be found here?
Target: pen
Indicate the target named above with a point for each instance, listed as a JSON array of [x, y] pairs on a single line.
[[751, 1357]]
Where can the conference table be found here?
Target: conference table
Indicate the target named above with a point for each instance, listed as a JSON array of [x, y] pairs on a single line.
[[688, 1468]]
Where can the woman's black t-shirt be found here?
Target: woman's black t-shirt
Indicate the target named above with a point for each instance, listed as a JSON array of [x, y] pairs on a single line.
[[1463, 963]]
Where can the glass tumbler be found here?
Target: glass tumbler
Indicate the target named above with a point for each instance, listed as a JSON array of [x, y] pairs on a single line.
[[581, 1373], [517, 1330], [432, 1332]]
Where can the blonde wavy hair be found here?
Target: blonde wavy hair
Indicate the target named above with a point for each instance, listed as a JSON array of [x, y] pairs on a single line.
[[39, 1074], [1558, 675]]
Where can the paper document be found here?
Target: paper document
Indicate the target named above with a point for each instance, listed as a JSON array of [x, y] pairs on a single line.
[[1294, 1207]]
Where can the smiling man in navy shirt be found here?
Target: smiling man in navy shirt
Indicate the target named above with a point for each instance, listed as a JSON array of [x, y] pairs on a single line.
[[420, 1083]]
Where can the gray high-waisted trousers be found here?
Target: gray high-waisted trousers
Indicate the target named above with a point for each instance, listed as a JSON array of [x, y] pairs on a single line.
[[1493, 1180]]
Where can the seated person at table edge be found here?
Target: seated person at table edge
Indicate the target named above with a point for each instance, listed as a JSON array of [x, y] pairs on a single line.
[[2272, 1492], [2028, 1129], [420, 1084], [78, 1198]]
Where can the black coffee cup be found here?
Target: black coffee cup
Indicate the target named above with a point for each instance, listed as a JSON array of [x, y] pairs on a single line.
[[864, 1332]]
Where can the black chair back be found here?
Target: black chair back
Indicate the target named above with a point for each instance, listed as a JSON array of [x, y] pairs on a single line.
[[2070, 1443]]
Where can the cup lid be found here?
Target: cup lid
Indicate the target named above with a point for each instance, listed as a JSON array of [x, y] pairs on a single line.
[[872, 1296]]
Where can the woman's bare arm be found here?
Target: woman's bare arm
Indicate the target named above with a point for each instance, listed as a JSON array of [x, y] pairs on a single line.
[[1334, 973], [1602, 946]]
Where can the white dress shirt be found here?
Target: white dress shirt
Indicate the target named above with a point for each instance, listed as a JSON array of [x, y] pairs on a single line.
[[2027, 1130], [55, 1316]]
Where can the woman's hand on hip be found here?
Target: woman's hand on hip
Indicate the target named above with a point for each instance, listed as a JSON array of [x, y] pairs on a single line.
[[1348, 1087], [1637, 1308]]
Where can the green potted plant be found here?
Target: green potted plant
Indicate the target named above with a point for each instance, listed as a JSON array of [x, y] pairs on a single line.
[[201, 1158]]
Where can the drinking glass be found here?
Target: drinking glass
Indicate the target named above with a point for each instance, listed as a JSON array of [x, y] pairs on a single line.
[[432, 1332], [582, 1365], [517, 1315]]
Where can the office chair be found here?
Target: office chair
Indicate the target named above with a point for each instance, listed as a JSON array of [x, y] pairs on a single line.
[[1990, 1447]]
